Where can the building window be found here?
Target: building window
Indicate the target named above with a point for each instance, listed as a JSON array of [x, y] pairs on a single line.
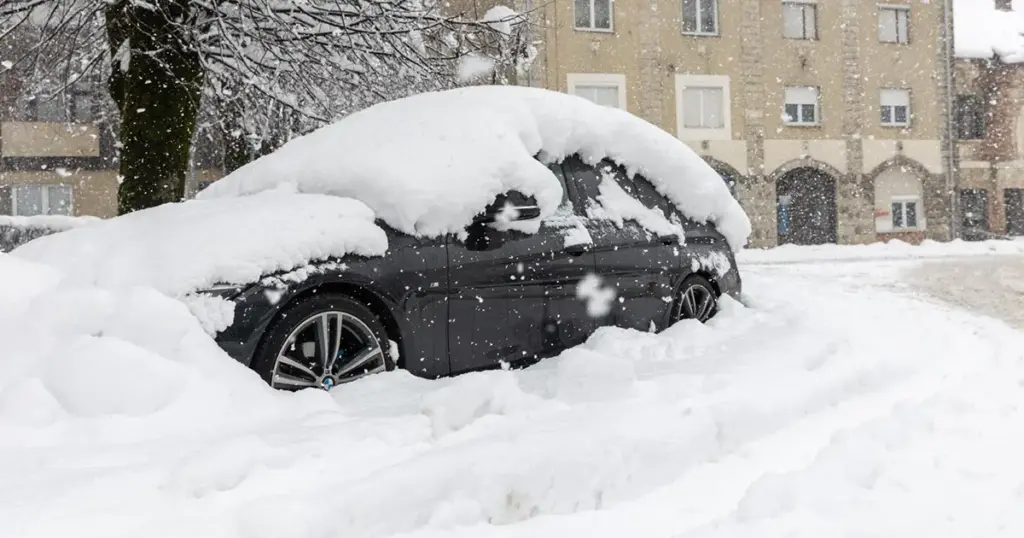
[[799, 20], [904, 213], [51, 109], [894, 24], [970, 117], [594, 15], [82, 107], [895, 107], [48, 109], [603, 89], [700, 17], [27, 200], [703, 107], [801, 106]]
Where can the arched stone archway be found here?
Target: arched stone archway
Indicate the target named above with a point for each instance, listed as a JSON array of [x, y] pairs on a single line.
[[729, 175], [899, 200], [806, 202]]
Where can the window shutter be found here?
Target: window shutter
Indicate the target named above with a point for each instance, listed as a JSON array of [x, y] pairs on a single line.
[[887, 25], [891, 97], [802, 95], [713, 108]]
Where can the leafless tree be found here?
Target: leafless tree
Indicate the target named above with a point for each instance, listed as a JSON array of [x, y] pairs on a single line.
[[263, 69]]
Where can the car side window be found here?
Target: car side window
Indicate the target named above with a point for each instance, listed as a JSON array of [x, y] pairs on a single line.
[[650, 197], [621, 178], [556, 169], [586, 181]]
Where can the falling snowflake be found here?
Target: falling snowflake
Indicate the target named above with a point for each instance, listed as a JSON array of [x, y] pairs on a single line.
[[599, 298]]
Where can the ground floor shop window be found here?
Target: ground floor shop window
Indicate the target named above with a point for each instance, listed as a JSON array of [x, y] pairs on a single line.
[[36, 199], [904, 214]]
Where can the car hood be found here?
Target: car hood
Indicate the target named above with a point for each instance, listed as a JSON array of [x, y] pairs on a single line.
[[183, 247]]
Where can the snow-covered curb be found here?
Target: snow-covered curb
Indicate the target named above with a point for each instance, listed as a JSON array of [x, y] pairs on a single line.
[[53, 222], [16, 230], [891, 250]]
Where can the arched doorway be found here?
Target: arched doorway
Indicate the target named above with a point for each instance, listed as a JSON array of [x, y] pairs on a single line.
[[806, 207], [728, 174]]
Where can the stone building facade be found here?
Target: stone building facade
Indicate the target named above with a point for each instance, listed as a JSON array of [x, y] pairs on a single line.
[[989, 115], [829, 116]]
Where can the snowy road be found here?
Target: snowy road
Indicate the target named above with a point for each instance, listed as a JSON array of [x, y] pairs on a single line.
[[991, 286], [844, 401]]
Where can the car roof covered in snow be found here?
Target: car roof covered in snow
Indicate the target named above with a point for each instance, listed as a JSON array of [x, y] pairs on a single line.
[[429, 163]]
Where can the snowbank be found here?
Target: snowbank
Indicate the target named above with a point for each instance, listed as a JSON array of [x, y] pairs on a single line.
[[54, 222], [17, 230], [893, 249], [982, 32], [428, 163], [829, 404], [180, 248], [82, 363]]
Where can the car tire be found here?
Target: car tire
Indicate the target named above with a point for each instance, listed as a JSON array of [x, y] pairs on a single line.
[[289, 355], [696, 299]]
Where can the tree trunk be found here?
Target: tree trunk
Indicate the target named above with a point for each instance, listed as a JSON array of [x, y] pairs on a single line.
[[157, 89], [237, 150]]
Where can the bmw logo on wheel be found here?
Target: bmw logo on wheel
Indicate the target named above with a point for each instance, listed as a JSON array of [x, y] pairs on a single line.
[[328, 383]]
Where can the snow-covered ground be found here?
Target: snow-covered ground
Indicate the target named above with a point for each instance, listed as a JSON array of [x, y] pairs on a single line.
[[844, 399]]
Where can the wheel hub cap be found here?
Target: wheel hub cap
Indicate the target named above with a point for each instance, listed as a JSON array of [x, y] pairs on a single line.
[[326, 350]]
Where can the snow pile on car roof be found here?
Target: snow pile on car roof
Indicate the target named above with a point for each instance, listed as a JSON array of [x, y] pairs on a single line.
[[981, 31], [428, 163], [179, 248]]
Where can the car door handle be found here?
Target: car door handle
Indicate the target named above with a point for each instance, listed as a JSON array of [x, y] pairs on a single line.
[[669, 239], [578, 249]]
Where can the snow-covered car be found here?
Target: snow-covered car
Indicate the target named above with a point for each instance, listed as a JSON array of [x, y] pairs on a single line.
[[442, 233]]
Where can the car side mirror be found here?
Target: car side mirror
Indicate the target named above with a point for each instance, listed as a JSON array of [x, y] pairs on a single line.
[[509, 207]]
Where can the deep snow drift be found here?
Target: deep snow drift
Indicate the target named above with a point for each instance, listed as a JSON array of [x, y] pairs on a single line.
[[448, 154], [836, 404]]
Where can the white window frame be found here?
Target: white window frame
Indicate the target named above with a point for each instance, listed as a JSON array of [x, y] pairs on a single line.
[[916, 200], [703, 81], [897, 8], [892, 114], [698, 31], [592, 27], [607, 80], [798, 121], [803, 4], [44, 189]]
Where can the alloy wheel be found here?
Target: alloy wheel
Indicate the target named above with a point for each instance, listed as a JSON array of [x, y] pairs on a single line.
[[696, 302], [325, 350]]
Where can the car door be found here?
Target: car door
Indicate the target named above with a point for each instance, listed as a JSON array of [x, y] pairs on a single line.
[[641, 261], [512, 295]]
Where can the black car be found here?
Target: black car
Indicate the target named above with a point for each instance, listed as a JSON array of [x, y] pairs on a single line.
[[439, 307]]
